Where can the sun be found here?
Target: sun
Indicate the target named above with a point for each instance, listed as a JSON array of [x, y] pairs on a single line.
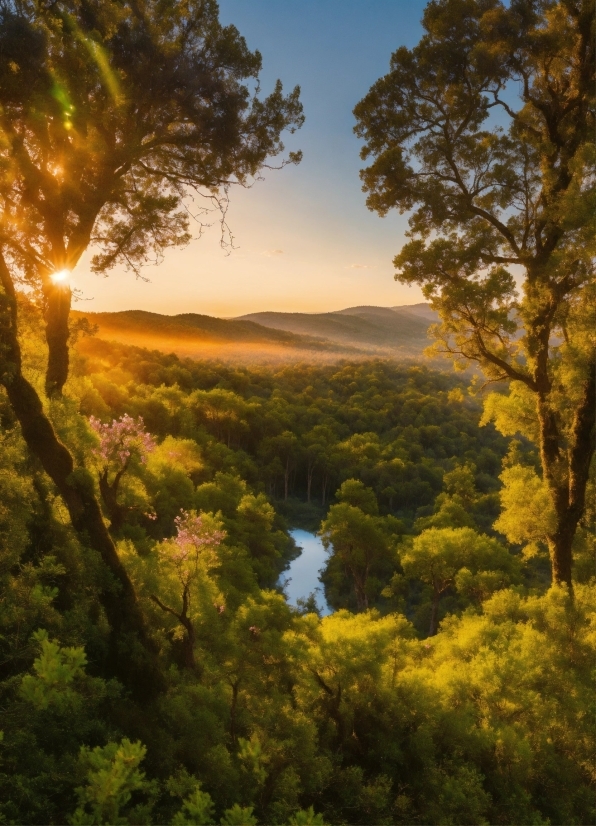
[[60, 277]]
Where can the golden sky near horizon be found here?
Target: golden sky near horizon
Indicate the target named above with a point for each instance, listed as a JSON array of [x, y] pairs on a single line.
[[281, 261], [305, 239]]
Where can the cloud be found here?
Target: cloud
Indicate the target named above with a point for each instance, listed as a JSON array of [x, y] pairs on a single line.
[[360, 267], [272, 253]]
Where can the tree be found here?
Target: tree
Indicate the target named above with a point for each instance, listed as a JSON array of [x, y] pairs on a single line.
[[493, 183], [187, 559], [224, 413], [282, 451], [114, 118], [120, 442], [318, 444], [439, 555], [360, 548], [354, 493]]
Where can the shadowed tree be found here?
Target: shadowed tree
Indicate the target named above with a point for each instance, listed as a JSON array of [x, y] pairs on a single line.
[[445, 558], [360, 552], [484, 132], [118, 122]]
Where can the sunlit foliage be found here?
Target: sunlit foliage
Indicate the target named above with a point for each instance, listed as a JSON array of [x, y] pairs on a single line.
[[268, 713]]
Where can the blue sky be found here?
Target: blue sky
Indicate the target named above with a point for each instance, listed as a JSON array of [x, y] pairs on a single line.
[[305, 240]]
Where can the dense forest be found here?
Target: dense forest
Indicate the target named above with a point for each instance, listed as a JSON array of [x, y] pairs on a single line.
[[152, 669], [448, 686]]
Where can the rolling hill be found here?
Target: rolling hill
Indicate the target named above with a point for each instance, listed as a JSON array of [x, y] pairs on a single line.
[[398, 332]]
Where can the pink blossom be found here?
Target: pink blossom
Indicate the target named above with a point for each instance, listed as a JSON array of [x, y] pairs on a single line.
[[121, 439], [193, 546], [192, 534]]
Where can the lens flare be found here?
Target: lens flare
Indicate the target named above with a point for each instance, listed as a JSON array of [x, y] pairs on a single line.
[[60, 277]]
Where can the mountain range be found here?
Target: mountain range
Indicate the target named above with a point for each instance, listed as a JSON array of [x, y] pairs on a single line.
[[368, 328], [398, 332]]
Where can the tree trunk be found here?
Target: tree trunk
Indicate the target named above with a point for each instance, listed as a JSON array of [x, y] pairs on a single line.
[[308, 483], [360, 590], [109, 495], [332, 705], [188, 647], [566, 473], [324, 489], [187, 659], [233, 707], [128, 630], [434, 613], [58, 298], [286, 479]]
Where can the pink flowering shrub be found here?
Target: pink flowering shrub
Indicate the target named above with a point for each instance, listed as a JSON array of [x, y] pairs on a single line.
[[122, 439], [193, 533], [195, 539], [188, 556]]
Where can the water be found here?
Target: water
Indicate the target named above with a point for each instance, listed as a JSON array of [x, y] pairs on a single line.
[[302, 578]]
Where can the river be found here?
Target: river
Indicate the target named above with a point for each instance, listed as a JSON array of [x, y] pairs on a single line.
[[302, 577]]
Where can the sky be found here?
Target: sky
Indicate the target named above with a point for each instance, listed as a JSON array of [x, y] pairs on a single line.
[[304, 239]]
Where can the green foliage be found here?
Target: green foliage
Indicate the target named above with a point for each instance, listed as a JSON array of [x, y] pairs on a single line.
[[488, 198], [438, 553], [306, 817], [354, 493], [197, 809], [55, 669], [112, 775], [252, 758], [527, 514], [238, 816], [271, 714], [473, 564], [361, 545], [393, 429]]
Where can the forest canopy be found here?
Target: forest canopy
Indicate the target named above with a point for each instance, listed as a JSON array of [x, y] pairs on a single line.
[[447, 668], [152, 668]]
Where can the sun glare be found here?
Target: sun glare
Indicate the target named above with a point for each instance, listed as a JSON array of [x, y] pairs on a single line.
[[60, 277]]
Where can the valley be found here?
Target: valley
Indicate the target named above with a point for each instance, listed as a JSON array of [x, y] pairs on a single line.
[[355, 333]]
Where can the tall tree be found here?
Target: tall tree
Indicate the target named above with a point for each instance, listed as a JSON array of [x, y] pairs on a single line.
[[360, 548], [484, 132], [118, 120]]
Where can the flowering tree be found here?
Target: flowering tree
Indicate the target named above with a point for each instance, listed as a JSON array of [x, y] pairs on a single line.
[[120, 442], [119, 122], [190, 554]]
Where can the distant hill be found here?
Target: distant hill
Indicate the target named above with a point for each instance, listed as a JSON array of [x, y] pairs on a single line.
[[191, 325], [399, 332], [420, 310], [394, 331]]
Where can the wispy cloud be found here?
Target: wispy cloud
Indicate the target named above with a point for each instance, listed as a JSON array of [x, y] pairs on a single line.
[[360, 267], [272, 253]]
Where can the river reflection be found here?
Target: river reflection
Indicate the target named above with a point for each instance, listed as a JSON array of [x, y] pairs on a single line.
[[303, 573]]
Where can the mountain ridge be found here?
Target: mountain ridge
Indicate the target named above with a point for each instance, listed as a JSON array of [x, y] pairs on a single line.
[[369, 327], [362, 331]]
